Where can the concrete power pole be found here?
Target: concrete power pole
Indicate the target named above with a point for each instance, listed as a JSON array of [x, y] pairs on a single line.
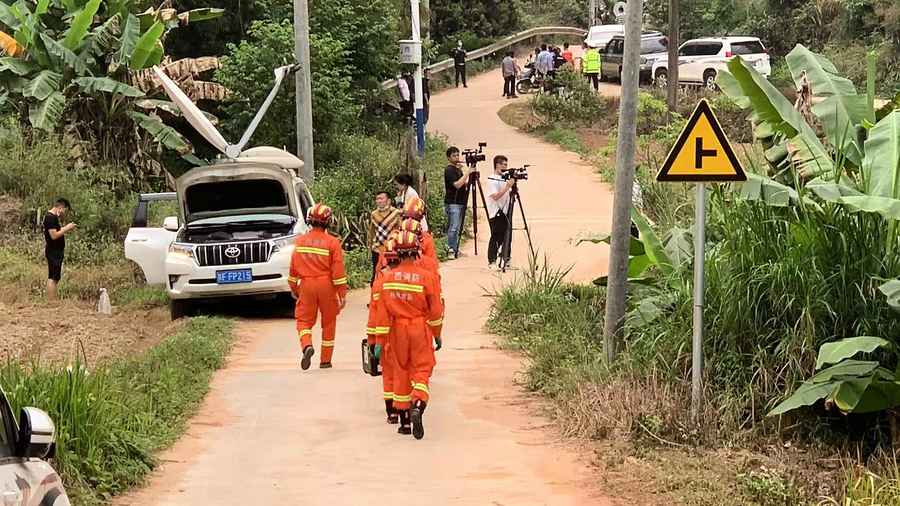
[[304, 90], [622, 199], [672, 66], [592, 13]]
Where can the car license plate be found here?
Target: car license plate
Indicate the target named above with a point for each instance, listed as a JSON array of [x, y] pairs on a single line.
[[234, 276]]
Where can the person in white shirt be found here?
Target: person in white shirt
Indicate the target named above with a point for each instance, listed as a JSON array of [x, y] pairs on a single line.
[[497, 204], [405, 192], [406, 103]]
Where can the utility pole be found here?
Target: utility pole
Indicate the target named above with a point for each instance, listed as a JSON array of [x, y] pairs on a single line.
[[304, 90], [672, 65], [420, 103], [592, 13], [622, 199]]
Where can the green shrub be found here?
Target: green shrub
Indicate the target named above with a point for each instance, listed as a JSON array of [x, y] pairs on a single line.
[[111, 420], [577, 104]]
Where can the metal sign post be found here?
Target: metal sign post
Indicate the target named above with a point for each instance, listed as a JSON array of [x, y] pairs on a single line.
[[699, 285], [701, 154], [420, 101]]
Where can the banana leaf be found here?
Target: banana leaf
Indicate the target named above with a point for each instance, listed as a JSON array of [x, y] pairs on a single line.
[[831, 191], [66, 56], [881, 167], [823, 76], [81, 23], [652, 245], [162, 133], [842, 117], [131, 33], [759, 188], [104, 37], [848, 393], [846, 369], [806, 395], [770, 106], [7, 18], [891, 290], [679, 246], [197, 15], [17, 66], [832, 353], [878, 396], [41, 86], [107, 85], [635, 247], [887, 207], [47, 114], [146, 46]]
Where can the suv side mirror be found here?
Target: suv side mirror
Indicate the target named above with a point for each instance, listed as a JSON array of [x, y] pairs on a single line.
[[171, 223], [36, 434]]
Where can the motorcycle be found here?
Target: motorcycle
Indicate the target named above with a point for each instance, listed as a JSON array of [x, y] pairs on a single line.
[[529, 80]]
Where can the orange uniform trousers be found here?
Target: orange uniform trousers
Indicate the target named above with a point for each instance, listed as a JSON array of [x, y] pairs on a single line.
[[317, 295], [412, 355]]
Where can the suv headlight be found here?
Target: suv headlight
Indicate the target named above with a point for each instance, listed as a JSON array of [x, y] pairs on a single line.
[[283, 242], [182, 249]]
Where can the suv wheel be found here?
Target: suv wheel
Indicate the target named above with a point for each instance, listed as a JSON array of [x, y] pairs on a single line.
[[709, 80], [662, 78], [180, 308]]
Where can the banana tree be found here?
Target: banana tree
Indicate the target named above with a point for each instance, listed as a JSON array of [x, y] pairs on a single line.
[[78, 60], [852, 386], [855, 165]]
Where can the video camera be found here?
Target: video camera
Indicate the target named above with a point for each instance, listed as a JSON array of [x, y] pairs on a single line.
[[520, 174], [473, 156]]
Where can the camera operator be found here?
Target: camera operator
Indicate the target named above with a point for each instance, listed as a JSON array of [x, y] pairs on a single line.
[[456, 179], [497, 204]]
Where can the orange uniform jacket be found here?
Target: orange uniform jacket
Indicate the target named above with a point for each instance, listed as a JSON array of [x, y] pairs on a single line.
[[426, 242], [318, 254], [410, 292]]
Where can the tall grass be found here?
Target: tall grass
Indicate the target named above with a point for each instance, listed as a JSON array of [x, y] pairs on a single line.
[[111, 420]]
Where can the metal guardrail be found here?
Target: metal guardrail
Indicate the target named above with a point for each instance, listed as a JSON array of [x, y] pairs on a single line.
[[497, 46]]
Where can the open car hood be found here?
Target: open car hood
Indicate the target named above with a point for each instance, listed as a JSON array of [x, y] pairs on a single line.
[[233, 189]]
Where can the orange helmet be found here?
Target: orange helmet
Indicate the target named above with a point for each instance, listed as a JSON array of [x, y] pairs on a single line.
[[411, 225], [319, 214], [414, 208], [390, 249], [407, 242]]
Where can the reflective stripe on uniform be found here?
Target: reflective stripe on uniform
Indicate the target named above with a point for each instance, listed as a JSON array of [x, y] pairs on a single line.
[[339, 281], [435, 323], [313, 251], [370, 330], [376, 296], [421, 387], [305, 332], [328, 344], [388, 396], [404, 287], [382, 330], [292, 279], [402, 398]]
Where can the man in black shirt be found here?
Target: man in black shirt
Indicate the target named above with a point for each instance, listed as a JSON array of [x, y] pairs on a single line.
[[456, 187], [55, 236], [459, 64]]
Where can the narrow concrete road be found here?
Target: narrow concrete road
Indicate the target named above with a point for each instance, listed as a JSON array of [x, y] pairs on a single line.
[[269, 433]]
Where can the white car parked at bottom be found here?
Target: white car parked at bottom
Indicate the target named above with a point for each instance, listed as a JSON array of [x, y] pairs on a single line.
[[701, 60]]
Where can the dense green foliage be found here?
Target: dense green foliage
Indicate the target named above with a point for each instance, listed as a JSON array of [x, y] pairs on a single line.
[[482, 18], [111, 419]]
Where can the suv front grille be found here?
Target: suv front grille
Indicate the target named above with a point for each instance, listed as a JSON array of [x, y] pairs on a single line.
[[224, 254]]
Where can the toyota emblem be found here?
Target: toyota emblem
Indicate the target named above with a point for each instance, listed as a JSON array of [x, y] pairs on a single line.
[[232, 252]]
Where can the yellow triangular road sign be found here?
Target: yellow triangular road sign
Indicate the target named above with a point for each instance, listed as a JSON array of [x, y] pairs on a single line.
[[702, 152]]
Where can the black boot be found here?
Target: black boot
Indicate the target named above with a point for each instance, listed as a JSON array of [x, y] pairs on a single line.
[[392, 417], [404, 423], [415, 415], [308, 353]]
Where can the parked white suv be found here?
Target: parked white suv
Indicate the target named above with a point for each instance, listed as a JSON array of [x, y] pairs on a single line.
[[238, 222], [701, 60], [26, 478]]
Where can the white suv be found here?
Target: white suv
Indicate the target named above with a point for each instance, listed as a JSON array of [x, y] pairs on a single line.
[[701, 60], [239, 220]]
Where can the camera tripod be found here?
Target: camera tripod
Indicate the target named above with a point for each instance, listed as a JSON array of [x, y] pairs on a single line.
[[473, 183], [506, 250]]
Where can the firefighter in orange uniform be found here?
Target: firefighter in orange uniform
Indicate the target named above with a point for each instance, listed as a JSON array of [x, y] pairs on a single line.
[[415, 209], [319, 282], [411, 309], [431, 263], [377, 337]]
